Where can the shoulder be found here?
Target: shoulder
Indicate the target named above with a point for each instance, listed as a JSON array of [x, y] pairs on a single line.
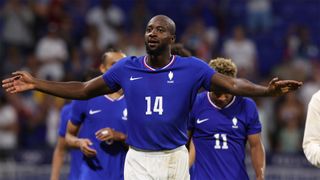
[[203, 96], [192, 62], [247, 102], [129, 61], [315, 98]]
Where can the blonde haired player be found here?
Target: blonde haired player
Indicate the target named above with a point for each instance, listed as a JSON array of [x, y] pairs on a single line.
[[221, 124]]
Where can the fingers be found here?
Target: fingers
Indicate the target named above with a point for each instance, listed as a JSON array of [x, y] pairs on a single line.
[[104, 134], [274, 80], [85, 148], [292, 85]]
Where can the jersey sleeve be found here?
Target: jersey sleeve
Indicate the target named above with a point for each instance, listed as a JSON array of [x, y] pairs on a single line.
[[191, 121], [78, 111], [113, 76], [206, 73], [254, 125], [64, 118]]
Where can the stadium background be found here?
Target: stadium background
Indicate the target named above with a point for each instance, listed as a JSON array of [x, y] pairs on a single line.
[[60, 39]]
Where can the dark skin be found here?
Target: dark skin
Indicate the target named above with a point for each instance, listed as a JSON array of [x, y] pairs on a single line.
[[159, 35]]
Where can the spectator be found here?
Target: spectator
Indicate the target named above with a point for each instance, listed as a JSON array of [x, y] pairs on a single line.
[[51, 51], [259, 15], [242, 51], [107, 18], [8, 128], [18, 20]]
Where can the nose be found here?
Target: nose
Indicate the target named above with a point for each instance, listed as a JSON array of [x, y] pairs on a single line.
[[152, 33]]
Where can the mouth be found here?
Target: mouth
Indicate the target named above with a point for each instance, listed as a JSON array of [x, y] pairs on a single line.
[[153, 43]]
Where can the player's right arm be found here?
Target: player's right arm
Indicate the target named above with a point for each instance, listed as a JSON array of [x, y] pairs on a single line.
[[58, 158], [23, 81], [82, 143], [311, 139]]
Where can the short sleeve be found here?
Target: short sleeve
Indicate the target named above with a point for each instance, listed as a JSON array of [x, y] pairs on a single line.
[[112, 76], [64, 118], [254, 125], [206, 73], [78, 111], [191, 121]]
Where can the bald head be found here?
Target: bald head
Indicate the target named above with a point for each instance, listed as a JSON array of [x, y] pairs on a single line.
[[165, 20]]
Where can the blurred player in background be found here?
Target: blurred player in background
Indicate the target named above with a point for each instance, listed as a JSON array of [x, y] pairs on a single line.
[[311, 140], [221, 124], [103, 119], [160, 89], [62, 147]]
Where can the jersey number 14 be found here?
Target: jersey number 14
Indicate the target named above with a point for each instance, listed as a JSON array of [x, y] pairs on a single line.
[[157, 105]]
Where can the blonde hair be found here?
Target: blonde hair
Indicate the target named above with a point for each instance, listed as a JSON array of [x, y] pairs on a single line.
[[224, 66]]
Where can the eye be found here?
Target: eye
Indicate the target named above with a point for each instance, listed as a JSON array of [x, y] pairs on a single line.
[[160, 30], [148, 30]]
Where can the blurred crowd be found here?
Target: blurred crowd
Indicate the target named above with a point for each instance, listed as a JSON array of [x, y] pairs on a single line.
[[60, 39]]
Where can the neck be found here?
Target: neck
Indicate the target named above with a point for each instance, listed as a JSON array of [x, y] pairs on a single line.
[[116, 95], [220, 104], [159, 61]]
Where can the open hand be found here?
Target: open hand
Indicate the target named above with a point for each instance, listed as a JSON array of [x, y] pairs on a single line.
[[279, 87], [19, 82], [86, 149]]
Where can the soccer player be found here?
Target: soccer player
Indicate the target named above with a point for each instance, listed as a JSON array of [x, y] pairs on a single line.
[[103, 120], [62, 147], [61, 150], [160, 89], [221, 124], [311, 139]]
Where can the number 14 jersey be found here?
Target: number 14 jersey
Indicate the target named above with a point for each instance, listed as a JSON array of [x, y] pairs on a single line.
[[158, 100]]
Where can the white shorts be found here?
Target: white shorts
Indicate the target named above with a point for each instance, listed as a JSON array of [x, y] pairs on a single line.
[[158, 165]]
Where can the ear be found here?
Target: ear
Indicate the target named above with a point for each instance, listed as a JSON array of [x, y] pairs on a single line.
[[173, 38]]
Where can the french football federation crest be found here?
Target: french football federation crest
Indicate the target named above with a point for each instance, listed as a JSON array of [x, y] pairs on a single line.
[[125, 114], [235, 122], [170, 76]]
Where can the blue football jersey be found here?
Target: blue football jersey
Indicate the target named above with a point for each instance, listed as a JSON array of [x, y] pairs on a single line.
[[75, 154], [220, 137], [93, 115], [158, 100]]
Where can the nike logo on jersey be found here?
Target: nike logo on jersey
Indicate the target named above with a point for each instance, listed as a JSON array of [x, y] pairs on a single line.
[[91, 112], [199, 121], [135, 78]]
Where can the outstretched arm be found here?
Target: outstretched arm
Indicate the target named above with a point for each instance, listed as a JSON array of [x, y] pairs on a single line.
[[23, 81], [243, 87], [257, 155]]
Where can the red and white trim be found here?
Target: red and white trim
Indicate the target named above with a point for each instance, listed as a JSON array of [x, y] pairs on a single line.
[[152, 69], [215, 106]]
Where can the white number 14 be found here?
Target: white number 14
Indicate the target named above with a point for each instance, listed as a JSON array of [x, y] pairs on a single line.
[[157, 107]]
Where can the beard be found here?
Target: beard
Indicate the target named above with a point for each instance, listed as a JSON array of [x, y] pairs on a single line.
[[155, 51]]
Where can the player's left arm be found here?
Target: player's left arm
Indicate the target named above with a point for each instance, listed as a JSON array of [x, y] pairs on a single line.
[[192, 153], [58, 158], [243, 87], [257, 155]]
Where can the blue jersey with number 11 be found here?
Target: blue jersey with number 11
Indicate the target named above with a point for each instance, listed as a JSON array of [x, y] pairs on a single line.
[[220, 136], [158, 100]]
